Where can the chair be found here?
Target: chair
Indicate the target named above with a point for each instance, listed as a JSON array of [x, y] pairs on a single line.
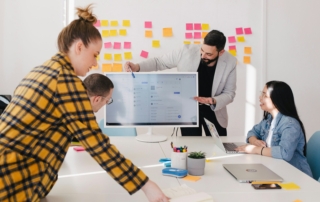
[[4, 101], [313, 157], [117, 131]]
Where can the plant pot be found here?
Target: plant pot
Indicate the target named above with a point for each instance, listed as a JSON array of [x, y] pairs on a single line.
[[196, 166]]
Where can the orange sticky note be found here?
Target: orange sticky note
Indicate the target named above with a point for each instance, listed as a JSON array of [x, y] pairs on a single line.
[[204, 34], [247, 50], [240, 39], [126, 23], [167, 32], [107, 56], [155, 43], [104, 23], [148, 33], [233, 52], [106, 67], [113, 32], [123, 32], [186, 42], [117, 67], [105, 33], [127, 55], [298, 200], [246, 60], [117, 57], [114, 23], [191, 178], [197, 42], [205, 26], [95, 67]]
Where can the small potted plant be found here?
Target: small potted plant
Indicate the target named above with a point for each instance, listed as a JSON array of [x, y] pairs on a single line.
[[196, 162]]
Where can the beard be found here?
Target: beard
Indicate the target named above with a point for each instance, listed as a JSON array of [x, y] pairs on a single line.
[[208, 62]]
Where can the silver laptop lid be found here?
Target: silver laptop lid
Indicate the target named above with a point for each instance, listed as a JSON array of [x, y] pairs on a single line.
[[215, 135], [251, 172]]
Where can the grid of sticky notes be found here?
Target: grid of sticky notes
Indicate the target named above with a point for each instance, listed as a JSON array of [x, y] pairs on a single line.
[[240, 38], [195, 32]]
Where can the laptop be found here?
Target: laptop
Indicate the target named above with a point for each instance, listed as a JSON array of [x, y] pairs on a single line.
[[228, 147], [252, 172]]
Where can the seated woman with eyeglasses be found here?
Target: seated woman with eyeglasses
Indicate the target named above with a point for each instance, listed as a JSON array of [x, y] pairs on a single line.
[[281, 133]]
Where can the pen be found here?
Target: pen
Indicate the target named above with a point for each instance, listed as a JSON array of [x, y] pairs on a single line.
[[171, 144], [132, 73]]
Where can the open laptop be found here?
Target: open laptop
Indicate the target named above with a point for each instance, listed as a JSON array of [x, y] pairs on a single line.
[[228, 147], [252, 172]]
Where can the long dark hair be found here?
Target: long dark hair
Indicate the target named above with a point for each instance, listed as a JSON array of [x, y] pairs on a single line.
[[282, 98]]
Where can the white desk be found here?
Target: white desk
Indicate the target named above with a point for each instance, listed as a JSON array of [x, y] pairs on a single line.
[[82, 179]]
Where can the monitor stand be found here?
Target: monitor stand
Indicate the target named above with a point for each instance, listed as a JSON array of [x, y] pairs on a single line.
[[150, 137]]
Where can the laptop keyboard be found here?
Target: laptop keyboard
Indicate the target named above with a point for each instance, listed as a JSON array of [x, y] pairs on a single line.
[[230, 146]]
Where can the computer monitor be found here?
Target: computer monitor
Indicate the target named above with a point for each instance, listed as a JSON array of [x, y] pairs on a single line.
[[153, 99]]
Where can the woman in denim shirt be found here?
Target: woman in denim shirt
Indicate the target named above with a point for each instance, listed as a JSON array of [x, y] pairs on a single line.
[[281, 133]]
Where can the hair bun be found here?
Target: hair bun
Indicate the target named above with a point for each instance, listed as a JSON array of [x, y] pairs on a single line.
[[86, 14]]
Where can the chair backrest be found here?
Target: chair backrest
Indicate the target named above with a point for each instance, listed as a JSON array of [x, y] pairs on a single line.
[[313, 157], [117, 131]]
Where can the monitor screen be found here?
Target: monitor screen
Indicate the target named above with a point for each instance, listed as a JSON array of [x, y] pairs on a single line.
[[153, 99]]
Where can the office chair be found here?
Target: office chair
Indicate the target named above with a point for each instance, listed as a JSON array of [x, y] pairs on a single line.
[[4, 101], [117, 131], [313, 156]]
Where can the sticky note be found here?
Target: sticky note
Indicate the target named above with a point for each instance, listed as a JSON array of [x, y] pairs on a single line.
[[98, 58], [232, 48], [127, 45], [186, 42], [104, 23], [247, 30], [189, 26], [108, 56], [114, 23], [233, 52], [155, 43], [147, 24], [239, 31], [95, 67], [298, 200], [78, 149], [107, 45], [167, 32], [127, 55], [97, 24], [117, 67], [106, 67], [105, 33], [205, 26], [240, 39], [289, 186], [148, 33], [231, 39], [117, 45], [126, 23], [246, 60], [247, 50], [204, 34], [191, 178], [113, 32], [197, 35], [197, 26], [189, 35], [117, 57], [123, 32], [144, 54], [197, 42]]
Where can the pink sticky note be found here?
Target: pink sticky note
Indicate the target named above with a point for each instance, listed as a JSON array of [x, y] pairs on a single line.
[[239, 31], [127, 45], [189, 26], [107, 45], [232, 48], [197, 26], [144, 54], [147, 24], [232, 39], [197, 35], [247, 30], [97, 24], [116, 45], [188, 35], [78, 149]]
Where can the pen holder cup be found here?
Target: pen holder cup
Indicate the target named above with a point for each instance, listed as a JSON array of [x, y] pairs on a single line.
[[179, 160]]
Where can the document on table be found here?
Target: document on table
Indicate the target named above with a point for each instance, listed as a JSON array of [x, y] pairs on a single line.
[[184, 193]]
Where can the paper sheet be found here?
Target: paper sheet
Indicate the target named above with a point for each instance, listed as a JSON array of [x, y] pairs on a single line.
[[184, 193]]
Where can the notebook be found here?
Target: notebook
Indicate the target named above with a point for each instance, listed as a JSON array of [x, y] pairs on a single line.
[[184, 193], [228, 147], [251, 172]]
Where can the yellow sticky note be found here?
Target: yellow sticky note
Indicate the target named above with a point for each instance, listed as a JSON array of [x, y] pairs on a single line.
[[204, 34], [246, 60], [98, 57], [104, 23], [167, 32], [241, 39], [105, 33], [127, 55], [191, 178], [205, 26], [126, 23], [289, 186], [106, 67], [197, 42], [117, 57], [114, 23], [123, 32], [108, 56], [187, 42], [155, 43], [117, 67], [148, 33], [113, 32], [233, 52], [247, 50]]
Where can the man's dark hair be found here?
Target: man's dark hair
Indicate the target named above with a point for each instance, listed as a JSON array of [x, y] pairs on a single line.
[[98, 84], [215, 38]]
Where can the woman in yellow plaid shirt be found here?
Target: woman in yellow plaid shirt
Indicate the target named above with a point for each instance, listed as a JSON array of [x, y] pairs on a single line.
[[49, 107]]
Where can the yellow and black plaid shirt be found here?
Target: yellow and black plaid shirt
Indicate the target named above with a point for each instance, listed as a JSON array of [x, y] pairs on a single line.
[[48, 108]]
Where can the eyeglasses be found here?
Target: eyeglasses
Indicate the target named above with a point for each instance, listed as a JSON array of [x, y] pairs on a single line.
[[110, 101], [263, 94]]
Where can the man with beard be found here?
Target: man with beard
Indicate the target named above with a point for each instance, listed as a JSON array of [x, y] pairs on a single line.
[[216, 78]]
